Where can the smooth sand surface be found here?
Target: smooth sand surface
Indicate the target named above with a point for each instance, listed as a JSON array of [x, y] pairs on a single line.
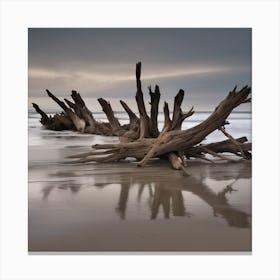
[[119, 207], [174, 235]]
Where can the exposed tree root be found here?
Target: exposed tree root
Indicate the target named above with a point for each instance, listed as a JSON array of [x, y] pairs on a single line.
[[141, 138]]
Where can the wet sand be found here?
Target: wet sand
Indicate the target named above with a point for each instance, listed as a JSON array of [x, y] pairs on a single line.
[[176, 235], [119, 207]]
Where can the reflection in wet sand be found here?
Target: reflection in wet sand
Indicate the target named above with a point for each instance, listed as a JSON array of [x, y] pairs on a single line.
[[121, 208], [162, 194], [168, 199], [74, 188]]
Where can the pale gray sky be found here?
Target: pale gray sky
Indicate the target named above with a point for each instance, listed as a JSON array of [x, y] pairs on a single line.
[[206, 63]]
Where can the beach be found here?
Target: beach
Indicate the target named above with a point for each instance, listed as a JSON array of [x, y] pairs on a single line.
[[121, 207]]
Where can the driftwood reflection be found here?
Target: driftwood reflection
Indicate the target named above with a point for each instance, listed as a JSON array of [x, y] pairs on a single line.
[[46, 191], [73, 187], [170, 198], [123, 198], [220, 205]]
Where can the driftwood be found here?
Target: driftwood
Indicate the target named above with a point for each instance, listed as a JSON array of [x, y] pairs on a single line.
[[141, 138], [172, 142], [57, 122], [76, 116]]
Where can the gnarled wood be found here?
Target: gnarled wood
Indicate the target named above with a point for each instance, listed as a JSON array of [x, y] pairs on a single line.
[[133, 119], [144, 118], [133, 132], [141, 138], [78, 122], [92, 126], [57, 122], [155, 97], [44, 117], [233, 141], [180, 140], [113, 121], [225, 146]]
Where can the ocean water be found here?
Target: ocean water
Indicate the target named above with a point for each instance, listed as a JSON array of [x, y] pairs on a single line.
[[240, 125]]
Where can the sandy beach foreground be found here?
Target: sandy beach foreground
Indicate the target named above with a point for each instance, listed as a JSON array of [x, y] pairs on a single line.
[[119, 207]]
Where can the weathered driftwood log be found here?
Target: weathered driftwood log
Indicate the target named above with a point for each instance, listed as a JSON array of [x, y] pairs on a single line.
[[44, 117], [226, 146], [141, 138], [177, 160], [144, 118], [173, 143], [92, 125], [78, 122], [57, 122], [148, 125], [81, 111], [155, 97], [113, 121], [134, 125], [75, 116], [109, 152], [116, 127]]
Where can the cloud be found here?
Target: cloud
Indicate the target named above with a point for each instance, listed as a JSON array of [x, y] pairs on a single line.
[[205, 62], [103, 78]]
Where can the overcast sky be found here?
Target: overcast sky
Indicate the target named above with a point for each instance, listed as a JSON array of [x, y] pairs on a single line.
[[206, 63]]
